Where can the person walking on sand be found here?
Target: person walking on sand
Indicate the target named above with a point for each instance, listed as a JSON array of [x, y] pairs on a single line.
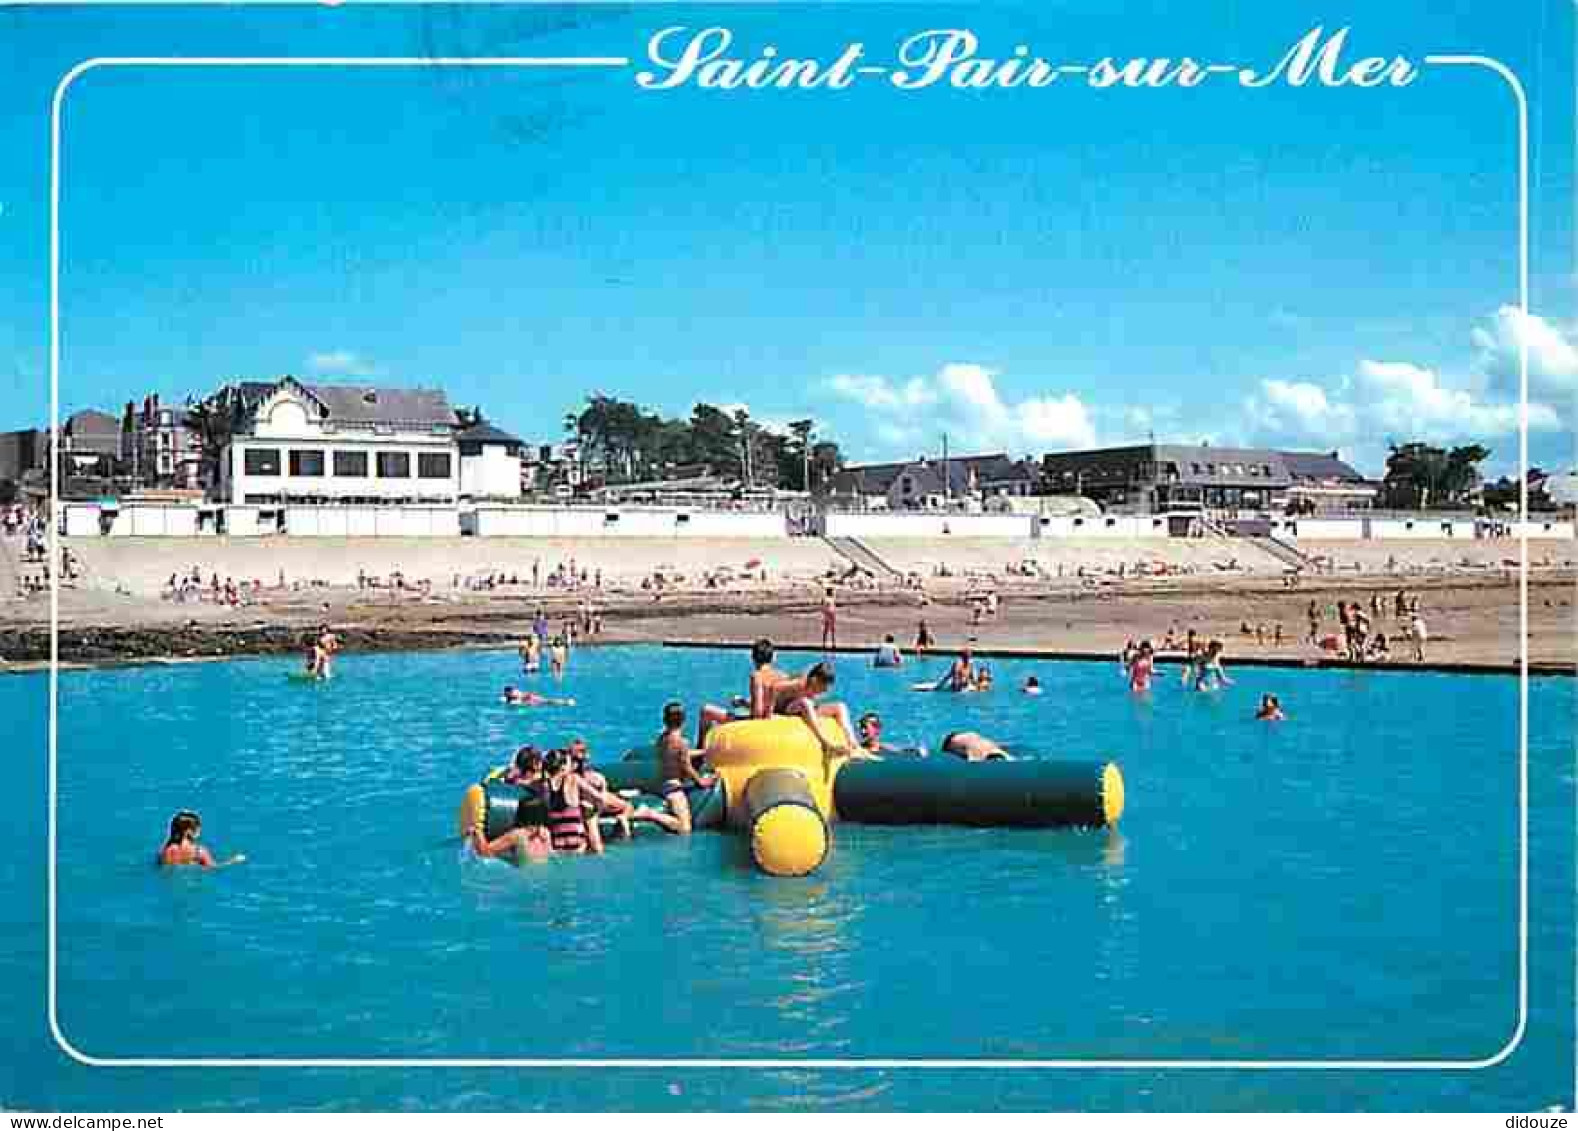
[[829, 621], [1420, 634]]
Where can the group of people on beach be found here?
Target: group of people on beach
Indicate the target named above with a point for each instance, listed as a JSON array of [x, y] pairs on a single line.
[[1361, 638]]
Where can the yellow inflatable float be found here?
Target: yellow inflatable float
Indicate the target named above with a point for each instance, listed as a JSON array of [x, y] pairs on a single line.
[[775, 785]]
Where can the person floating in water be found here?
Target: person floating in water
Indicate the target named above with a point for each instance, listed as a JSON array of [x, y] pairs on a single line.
[[181, 847], [888, 654], [1032, 685], [758, 704], [797, 698], [516, 697], [675, 763], [1270, 710], [328, 646], [973, 747]]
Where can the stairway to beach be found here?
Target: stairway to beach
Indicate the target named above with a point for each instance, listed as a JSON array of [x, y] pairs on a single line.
[[858, 553]]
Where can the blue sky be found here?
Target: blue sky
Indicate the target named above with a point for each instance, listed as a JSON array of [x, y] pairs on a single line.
[[1023, 269]]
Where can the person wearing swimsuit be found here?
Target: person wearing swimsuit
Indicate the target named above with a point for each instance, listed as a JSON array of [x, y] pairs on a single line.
[[759, 702], [528, 840], [674, 758], [797, 698], [181, 846], [569, 830], [1142, 668]]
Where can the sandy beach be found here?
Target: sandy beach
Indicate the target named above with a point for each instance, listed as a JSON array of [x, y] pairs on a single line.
[[1076, 604]]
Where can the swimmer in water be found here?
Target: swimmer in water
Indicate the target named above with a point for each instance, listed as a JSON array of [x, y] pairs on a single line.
[[329, 646], [181, 847], [516, 697], [1032, 685], [960, 675], [974, 747], [983, 678], [526, 767], [797, 698], [527, 840], [888, 654], [1270, 710], [558, 656], [531, 655], [1211, 675], [1142, 668]]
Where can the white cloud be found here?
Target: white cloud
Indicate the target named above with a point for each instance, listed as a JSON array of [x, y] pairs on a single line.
[[1553, 360], [880, 393], [1299, 411], [963, 400], [1404, 398], [342, 363]]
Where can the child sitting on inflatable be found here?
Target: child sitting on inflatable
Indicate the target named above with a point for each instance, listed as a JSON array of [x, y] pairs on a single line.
[[798, 698]]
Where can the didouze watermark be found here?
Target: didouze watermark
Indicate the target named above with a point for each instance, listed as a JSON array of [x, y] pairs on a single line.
[[954, 58]]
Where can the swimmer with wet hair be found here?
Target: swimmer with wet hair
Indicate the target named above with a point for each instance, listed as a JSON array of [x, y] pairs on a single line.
[[181, 847], [1270, 710]]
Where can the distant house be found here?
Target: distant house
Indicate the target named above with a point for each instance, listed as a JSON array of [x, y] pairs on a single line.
[[490, 462], [921, 484], [160, 447], [90, 442], [300, 443]]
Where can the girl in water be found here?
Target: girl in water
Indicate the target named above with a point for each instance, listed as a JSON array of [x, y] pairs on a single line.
[[1141, 668], [181, 846], [1270, 710]]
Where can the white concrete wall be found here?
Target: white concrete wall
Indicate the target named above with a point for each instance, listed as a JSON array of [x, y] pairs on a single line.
[[492, 474], [241, 521], [1385, 529], [380, 522], [1319, 529], [1544, 529], [82, 520], [1102, 526], [929, 526], [622, 522]]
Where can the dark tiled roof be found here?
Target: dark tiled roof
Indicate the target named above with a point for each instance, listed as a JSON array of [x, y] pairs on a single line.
[[1320, 465], [361, 404], [91, 422], [485, 433], [877, 478]]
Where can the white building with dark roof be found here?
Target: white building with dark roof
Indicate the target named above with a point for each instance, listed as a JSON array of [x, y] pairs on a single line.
[[296, 443]]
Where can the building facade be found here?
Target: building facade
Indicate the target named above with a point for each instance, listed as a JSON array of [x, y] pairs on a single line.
[[490, 463], [305, 444], [160, 447], [927, 484], [1154, 478]]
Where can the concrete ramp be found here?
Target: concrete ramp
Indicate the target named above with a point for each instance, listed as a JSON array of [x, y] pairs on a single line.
[[858, 553]]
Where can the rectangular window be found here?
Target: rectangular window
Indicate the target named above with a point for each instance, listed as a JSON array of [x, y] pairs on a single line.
[[306, 461], [350, 465], [394, 465], [261, 461], [432, 465]]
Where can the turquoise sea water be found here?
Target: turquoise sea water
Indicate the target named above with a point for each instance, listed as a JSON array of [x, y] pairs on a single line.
[[1343, 885]]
